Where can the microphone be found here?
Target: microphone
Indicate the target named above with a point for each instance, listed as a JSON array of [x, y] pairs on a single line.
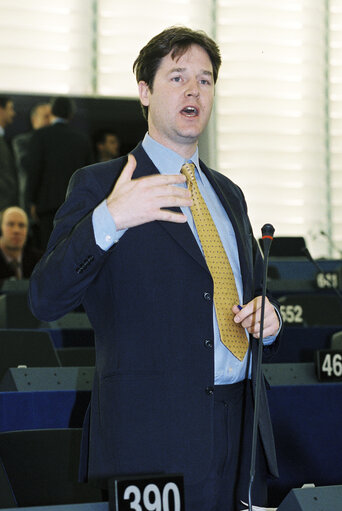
[[267, 232], [318, 267]]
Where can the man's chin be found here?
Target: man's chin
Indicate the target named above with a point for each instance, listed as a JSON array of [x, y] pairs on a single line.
[[189, 136], [16, 247]]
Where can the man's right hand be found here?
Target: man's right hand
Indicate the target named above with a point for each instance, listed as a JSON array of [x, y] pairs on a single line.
[[138, 201]]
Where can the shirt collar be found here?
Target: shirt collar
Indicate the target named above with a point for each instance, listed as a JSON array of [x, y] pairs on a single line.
[[59, 120], [10, 259], [166, 160]]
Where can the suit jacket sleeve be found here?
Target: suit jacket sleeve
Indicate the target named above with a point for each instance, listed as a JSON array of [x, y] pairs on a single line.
[[72, 259]]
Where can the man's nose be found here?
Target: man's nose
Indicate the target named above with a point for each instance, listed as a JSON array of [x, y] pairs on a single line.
[[193, 89]]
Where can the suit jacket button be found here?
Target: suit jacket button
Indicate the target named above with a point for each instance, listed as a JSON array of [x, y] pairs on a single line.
[[209, 391], [207, 296], [208, 343]]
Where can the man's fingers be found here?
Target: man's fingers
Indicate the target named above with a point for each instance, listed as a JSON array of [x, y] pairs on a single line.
[[173, 201], [247, 310], [137, 201], [170, 216], [165, 179], [129, 168], [158, 182]]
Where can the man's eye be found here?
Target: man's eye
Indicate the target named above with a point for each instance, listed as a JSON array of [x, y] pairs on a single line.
[[176, 78], [204, 81]]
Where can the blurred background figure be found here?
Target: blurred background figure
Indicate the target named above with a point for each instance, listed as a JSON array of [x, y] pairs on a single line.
[[54, 153], [17, 258], [8, 171], [40, 116], [107, 145]]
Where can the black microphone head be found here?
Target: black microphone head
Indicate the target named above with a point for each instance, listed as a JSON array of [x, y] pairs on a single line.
[[267, 231]]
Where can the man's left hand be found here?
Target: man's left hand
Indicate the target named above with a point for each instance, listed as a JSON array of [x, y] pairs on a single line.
[[250, 314]]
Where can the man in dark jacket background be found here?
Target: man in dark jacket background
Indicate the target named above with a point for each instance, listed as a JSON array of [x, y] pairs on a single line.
[[55, 153], [8, 171], [40, 117]]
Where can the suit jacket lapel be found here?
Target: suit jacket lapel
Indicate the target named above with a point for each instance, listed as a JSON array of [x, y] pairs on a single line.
[[181, 233], [233, 207]]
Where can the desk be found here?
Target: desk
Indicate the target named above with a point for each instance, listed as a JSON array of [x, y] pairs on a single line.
[[42, 409], [307, 422], [300, 271], [93, 506], [298, 344]]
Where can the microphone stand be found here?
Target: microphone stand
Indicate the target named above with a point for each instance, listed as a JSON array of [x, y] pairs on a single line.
[[333, 245], [267, 237]]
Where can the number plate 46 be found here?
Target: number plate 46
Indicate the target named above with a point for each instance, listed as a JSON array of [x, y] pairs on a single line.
[[329, 365]]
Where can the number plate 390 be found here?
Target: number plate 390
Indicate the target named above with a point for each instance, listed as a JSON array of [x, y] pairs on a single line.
[[147, 493]]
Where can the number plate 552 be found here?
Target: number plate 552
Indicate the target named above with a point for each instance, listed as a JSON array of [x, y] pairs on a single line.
[[292, 313]]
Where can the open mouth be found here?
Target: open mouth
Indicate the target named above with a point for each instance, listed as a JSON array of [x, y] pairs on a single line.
[[190, 111]]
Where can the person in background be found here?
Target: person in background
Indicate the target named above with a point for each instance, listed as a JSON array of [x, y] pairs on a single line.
[[40, 116], [17, 258], [54, 153], [160, 251], [107, 145], [8, 172]]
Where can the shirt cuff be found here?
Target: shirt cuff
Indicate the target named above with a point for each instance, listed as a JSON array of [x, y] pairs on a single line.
[[271, 338], [104, 227]]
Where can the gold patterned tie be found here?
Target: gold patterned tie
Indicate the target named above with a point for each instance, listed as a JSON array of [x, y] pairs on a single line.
[[233, 335]]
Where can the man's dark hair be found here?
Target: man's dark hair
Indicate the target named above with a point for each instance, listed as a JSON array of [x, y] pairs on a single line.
[[4, 100], [176, 40], [63, 107]]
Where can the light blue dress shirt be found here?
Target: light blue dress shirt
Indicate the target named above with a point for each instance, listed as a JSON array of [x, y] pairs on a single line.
[[228, 369]]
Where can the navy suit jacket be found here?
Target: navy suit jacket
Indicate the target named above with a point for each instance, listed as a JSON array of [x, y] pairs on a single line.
[[54, 153], [149, 299]]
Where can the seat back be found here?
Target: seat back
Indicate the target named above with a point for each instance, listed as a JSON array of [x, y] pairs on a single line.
[[30, 348], [42, 467], [7, 498]]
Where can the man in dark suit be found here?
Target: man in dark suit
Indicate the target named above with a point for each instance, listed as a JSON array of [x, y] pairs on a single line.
[[39, 116], [8, 171], [17, 259], [168, 395], [55, 152]]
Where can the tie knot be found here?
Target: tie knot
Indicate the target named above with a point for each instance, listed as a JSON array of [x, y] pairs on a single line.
[[188, 169]]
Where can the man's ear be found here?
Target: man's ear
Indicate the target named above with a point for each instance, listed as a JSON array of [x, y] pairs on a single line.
[[144, 93]]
